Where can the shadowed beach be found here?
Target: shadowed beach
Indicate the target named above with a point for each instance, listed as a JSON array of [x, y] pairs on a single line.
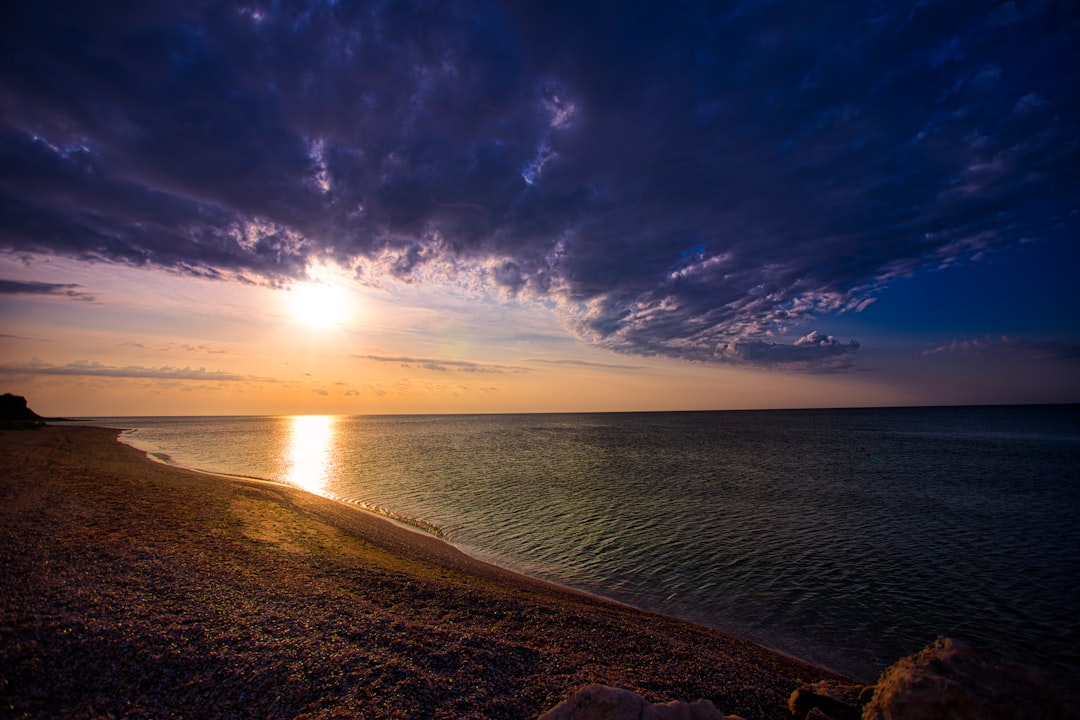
[[135, 589]]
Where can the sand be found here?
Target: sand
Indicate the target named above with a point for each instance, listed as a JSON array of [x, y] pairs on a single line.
[[136, 589]]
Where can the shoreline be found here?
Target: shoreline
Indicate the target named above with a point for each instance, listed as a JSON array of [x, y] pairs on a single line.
[[166, 460], [427, 529], [414, 525], [142, 588]]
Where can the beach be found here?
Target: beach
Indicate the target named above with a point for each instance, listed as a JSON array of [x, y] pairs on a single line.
[[138, 589]]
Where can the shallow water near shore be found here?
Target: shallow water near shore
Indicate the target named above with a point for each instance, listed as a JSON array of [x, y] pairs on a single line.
[[848, 538]]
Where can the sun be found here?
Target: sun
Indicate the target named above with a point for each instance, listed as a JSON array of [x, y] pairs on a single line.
[[318, 304]]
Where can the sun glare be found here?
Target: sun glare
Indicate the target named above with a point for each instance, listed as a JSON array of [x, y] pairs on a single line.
[[318, 304], [309, 449]]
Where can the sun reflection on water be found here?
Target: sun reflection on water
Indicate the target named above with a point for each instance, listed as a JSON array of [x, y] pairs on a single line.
[[310, 451]]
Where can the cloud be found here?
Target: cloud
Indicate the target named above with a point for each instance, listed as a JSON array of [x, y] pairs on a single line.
[[22, 337], [172, 347], [814, 352], [693, 180], [586, 363], [85, 368], [1030, 348], [69, 290], [443, 365]]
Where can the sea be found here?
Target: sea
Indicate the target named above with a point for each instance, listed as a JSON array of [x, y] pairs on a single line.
[[848, 538]]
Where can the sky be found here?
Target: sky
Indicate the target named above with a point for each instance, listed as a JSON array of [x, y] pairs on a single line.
[[412, 207]]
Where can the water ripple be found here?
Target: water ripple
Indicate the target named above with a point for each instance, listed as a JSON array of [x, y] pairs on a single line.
[[848, 538]]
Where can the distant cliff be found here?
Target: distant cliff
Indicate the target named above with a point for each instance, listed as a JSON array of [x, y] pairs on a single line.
[[13, 407]]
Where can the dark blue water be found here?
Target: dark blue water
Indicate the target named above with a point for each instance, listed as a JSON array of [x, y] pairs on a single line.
[[845, 537]]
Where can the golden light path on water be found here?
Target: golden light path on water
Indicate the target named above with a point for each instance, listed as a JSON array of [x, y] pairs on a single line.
[[309, 451]]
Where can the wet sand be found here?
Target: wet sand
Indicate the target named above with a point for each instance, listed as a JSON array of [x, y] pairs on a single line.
[[135, 589]]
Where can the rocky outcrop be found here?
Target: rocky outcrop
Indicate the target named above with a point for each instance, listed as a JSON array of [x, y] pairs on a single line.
[[947, 679], [599, 702], [13, 407], [953, 679]]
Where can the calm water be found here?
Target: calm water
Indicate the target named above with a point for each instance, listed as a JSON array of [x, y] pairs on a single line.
[[845, 537]]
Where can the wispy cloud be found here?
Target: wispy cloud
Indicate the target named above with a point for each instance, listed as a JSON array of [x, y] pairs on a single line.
[[68, 290], [22, 337], [444, 365], [97, 369], [586, 363], [1004, 345], [191, 348]]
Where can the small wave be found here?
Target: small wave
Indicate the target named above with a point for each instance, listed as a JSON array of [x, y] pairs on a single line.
[[417, 523]]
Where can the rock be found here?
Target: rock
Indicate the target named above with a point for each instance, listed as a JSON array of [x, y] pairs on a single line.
[[807, 699], [831, 699], [13, 407], [599, 702], [953, 679], [678, 710]]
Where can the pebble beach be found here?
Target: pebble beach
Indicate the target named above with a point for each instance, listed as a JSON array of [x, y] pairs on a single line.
[[135, 589]]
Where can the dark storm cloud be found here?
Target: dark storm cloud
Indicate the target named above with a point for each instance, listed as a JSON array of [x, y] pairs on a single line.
[[699, 181]]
